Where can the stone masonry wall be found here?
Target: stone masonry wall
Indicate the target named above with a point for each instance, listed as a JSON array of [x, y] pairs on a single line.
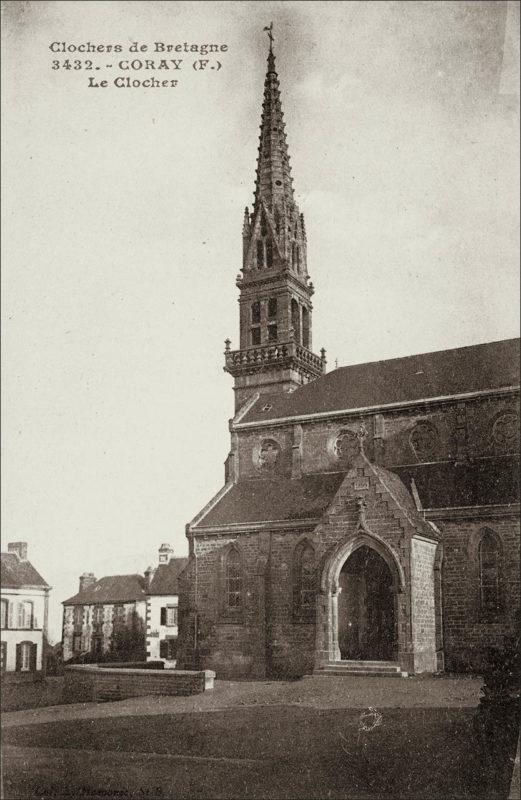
[[231, 642], [423, 605], [85, 684], [439, 432], [466, 630]]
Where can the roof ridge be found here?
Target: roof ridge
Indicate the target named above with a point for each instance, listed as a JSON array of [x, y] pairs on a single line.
[[423, 353]]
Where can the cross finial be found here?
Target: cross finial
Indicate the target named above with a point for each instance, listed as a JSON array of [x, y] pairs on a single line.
[[269, 29], [362, 433]]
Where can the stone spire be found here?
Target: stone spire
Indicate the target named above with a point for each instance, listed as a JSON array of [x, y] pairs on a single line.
[[274, 183], [274, 234]]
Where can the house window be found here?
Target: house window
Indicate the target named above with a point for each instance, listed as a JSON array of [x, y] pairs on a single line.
[[26, 660], [169, 616], [97, 615], [255, 313], [255, 336], [3, 656], [233, 580], [304, 586], [272, 307], [25, 615], [76, 643], [119, 613], [97, 645], [489, 571], [168, 649], [5, 607], [78, 615]]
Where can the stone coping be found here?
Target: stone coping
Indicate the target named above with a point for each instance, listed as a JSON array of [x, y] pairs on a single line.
[[164, 673]]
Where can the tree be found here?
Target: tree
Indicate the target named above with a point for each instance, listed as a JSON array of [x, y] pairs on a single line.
[[128, 641]]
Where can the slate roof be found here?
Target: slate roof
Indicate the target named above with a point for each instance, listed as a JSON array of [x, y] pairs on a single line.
[[165, 580], [486, 482], [16, 574], [448, 485], [379, 383], [255, 500], [111, 589]]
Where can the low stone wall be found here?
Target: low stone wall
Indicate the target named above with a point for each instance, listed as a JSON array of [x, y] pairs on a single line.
[[87, 683]]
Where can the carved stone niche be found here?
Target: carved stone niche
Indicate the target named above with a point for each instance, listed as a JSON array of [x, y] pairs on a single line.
[[424, 440], [345, 447], [505, 432], [266, 455]]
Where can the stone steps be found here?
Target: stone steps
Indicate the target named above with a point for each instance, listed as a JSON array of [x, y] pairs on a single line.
[[371, 668]]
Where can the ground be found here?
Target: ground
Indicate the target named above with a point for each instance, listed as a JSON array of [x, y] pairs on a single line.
[[31, 695], [265, 739]]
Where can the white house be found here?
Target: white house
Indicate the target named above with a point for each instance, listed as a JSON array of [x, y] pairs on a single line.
[[25, 604], [163, 606]]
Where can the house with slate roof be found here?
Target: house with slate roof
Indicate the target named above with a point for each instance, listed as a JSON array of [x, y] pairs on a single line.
[[125, 617], [102, 609], [163, 606], [25, 608], [369, 517]]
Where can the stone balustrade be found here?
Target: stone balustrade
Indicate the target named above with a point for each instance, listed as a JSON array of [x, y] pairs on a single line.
[[276, 353]]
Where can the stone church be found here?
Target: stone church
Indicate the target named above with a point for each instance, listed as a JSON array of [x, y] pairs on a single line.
[[369, 515]]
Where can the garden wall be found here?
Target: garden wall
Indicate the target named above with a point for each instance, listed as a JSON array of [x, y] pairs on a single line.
[[88, 683]]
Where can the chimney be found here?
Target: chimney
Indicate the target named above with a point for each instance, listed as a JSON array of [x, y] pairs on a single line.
[[149, 574], [87, 579], [165, 553], [19, 549]]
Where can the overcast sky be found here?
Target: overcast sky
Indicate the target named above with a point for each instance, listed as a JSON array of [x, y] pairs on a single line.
[[123, 213]]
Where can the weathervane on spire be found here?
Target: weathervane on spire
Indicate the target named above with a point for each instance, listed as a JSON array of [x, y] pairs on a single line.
[[269, 29]]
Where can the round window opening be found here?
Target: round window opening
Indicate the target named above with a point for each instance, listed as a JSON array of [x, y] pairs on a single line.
[[346, 446], [268, 454], [505, 430], [423, 440]]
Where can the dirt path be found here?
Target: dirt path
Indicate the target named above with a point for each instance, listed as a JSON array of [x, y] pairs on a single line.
[[314, 692]]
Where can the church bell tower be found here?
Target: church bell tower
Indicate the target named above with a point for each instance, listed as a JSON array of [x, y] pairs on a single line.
[[275, 352]]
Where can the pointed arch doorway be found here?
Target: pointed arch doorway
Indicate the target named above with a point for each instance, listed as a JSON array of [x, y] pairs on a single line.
[[366, 616]]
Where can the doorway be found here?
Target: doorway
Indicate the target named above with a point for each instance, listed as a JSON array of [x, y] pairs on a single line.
[[366, 608]]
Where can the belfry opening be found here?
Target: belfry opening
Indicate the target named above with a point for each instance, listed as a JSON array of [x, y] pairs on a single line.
[[366, 608]]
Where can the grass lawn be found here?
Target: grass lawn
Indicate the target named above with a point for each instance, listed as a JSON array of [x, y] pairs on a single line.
[[276, 751], [16, 697]]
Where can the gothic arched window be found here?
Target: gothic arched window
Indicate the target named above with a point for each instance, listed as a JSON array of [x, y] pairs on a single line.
[[269, 254], [305, 327], [233, 580], [304, 583], [294, 251], [255, 331], [489, 562], [295, 320], [260, 253]]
